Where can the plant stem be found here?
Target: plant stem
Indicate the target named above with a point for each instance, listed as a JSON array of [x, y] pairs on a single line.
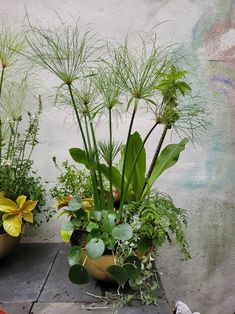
[[126, 148], [98, 162], [1, 84], [78, 119], [93, 173], [1, 141], [1, 81], [135, 162], [156, 155], [110, 161]]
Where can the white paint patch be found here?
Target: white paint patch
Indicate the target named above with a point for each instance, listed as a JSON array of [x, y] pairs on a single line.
[[227, 40]]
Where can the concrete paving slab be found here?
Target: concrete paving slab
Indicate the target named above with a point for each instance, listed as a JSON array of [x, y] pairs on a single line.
[[16, 308], [94, 308], [70, 308], [24, 271], [59, 288]]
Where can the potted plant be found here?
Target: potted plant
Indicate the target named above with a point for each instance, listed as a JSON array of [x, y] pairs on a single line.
[[120, 224], [21, 190]]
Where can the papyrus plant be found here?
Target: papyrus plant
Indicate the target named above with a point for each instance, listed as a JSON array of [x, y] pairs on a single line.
[[119, 81]]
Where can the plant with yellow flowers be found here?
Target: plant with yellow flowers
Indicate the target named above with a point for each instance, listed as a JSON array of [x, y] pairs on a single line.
[[18, 137]]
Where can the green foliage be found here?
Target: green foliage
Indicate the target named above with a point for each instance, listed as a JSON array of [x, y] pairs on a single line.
[[71, 181], [122, 216], [168, 158], [156, 219]]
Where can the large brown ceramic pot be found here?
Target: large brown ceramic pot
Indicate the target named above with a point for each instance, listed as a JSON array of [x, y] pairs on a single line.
[[97, 268], [7, 243]]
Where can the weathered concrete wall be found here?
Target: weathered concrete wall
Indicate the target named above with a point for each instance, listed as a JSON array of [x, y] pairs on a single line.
[[203, 181]]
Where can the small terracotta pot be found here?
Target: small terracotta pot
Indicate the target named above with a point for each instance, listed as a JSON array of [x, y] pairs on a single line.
[[97, 268], [2, 311], [7, 243]]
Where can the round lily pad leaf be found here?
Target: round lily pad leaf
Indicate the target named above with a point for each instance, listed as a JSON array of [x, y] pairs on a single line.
[[74, 255], [133, 266], [75, 203], [78, 274], [119, 273], [122, 232], [95, 248]]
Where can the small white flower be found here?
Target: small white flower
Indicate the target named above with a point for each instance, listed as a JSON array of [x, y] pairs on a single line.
[[5, 162]]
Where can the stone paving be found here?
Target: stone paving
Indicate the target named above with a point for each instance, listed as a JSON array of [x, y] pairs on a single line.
[[34, 280]]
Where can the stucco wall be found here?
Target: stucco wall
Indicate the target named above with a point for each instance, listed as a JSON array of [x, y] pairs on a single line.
[[203, 180]]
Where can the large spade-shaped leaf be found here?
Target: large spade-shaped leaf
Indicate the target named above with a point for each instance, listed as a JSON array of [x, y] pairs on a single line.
[[167, 159], [133, 266], [78, 274], [119, 273]]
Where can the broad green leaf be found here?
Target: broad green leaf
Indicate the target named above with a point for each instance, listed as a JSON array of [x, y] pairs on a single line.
[[78, 274], [12, 225], [116, 175], [91, 226], [122, 232], [66, 231], [109, 223], [143, 245], [97, 215], [75, 203], [167, 159], [79, 156], [136, 153], [133, 266], [95, 248], [74, 255], [119, 273]]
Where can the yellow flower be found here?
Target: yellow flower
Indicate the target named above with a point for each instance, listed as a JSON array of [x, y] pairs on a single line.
[[15, 212]]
